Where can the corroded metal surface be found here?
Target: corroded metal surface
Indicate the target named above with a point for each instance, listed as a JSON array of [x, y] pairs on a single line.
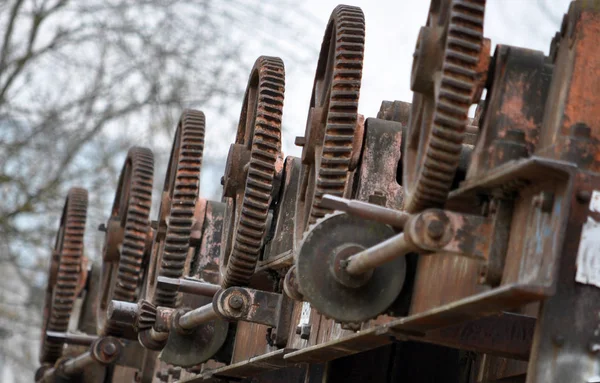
[[445, 83], [181, 191], [65, 273], [331, 127], [253, 163], [125, 239]]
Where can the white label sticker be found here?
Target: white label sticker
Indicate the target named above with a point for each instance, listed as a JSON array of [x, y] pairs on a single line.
[[305, 314], [595, 202], [588, 255]]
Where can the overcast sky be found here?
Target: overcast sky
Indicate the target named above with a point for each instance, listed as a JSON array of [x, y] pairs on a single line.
[[392, 27]]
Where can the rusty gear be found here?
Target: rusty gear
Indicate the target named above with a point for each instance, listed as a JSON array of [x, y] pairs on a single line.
[[329, 137], [64, 273], [250, 171], [126, 234], [444, 79], [180, 192]]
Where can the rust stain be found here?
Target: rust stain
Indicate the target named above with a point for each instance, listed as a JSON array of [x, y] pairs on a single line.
[[514, 108], [582, 102]]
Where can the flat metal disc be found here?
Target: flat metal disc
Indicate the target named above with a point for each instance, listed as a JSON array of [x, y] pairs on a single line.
[[320, 286], [196, 346]]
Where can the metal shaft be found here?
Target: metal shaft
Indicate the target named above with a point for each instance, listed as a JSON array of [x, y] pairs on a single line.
[[198, 316], [76, 339], [392, 217], [77, 364], [188, 286], [378, 255], [122, 312]]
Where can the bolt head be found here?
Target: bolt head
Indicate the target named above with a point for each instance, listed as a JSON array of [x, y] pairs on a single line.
[[109, 349], [583, 196], [435, 229], [235, 302]]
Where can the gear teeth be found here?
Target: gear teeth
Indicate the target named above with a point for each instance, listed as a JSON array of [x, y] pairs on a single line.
[[136, 180], [250, 229], [458, 83], [146, 317], [347, 26], [183, 184], [137, 224], [60, 298]]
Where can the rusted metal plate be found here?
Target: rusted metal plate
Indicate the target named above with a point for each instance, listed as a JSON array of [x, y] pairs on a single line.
[[352, 344], [270, 361], [505, 334], [513, 109], [278, 251], [378, 169], [487, 303], [250, 341], [206, 261], [508, 335]]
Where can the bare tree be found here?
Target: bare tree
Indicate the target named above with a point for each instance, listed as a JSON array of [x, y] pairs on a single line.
[[81, 81]]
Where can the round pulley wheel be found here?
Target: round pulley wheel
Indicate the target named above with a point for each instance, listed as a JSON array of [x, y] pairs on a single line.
[[253, 162], [190, 348], [64, 273], [445, 82], [125, 239], [181, 192], [331, 128], [323, 281]]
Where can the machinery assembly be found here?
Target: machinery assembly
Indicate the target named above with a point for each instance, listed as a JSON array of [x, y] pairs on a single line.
[[420, 237]]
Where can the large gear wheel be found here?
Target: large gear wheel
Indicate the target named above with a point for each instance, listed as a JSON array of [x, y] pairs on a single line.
[[126, 235], [250, 171], [64, 273], [445, 82], [181, 191], [329, 137]]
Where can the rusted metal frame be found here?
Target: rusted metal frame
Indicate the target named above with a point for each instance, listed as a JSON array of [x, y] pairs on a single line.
[[567, 336], [507, 296]]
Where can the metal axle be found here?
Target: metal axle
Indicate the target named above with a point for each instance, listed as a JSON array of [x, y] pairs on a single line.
[[103, 351], [75, 339], [185, 285], [372, 212], [392, 248], [198, 317]]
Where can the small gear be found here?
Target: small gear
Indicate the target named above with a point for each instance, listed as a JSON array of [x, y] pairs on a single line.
[[329, 138], [146, 316], [250, 171], [126, 233], [181, 192], [445, 82], [65, 273]]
